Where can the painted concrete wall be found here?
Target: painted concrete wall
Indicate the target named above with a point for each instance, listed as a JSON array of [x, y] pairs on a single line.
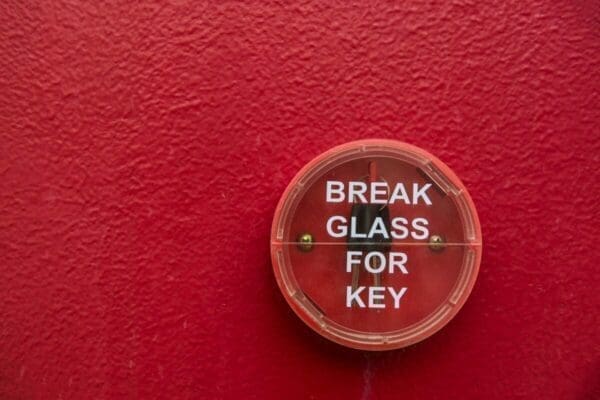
[[143, 148]]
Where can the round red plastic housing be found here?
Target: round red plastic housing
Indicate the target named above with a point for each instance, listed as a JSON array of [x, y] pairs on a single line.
[[376, 244]]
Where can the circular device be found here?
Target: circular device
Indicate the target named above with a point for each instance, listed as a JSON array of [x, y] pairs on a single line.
[[376, 244]]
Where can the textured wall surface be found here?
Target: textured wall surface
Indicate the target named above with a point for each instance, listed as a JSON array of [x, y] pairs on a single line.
[[143, 148]]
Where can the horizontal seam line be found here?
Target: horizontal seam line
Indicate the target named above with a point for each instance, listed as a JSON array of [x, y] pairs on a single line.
[[378, 243]]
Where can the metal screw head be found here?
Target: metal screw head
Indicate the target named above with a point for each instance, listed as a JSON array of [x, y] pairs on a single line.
[[436, 243], [305, 242]]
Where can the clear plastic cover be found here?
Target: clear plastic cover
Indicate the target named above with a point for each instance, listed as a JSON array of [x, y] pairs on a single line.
[[376, 244]]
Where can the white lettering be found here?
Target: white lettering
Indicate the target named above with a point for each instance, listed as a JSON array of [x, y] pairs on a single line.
[[378, 192], [417, 193], [399, 194], [376, 262], [398, 259], [374, 267], [420, 225], [354, 295], [376, 296], [398, 225], [353, 232], [338, 227], [335, 192], [379, 189], [357, 189], [342, 228], [350, 260], [397, 295], [378, 228]]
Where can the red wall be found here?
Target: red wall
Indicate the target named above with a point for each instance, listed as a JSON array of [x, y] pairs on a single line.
[[143, 149]]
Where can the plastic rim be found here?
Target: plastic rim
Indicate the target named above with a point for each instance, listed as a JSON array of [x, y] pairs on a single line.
[[438, 172]]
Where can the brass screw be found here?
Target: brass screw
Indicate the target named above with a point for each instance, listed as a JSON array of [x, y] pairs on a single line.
[[305, 242], [436, 243]]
